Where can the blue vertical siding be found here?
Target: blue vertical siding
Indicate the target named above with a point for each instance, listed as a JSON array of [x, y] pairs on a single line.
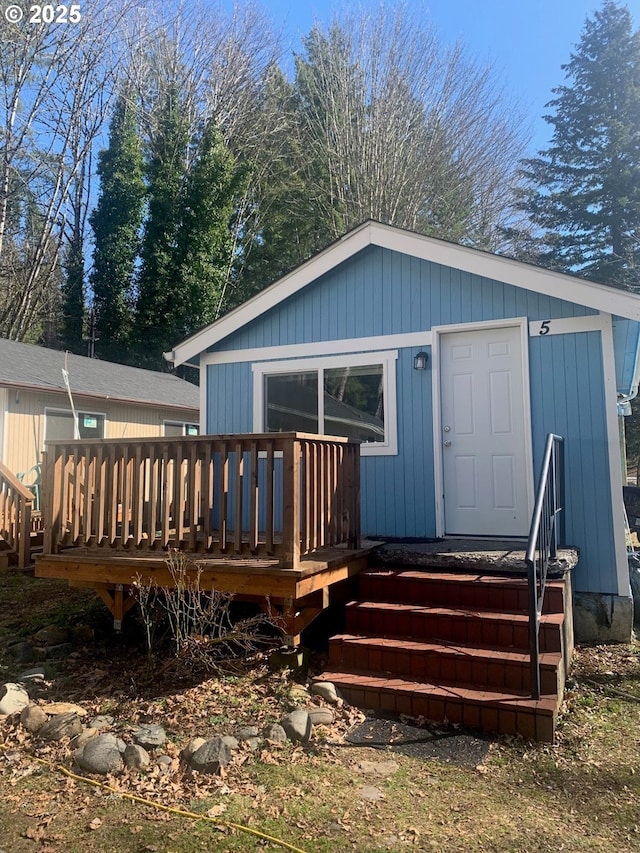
[[626, 344], [567, 397], [380, 292]]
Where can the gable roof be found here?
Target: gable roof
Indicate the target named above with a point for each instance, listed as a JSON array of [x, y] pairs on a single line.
[[40, 369], [571, 288]]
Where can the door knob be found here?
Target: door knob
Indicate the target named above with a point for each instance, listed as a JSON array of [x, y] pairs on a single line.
[[447, 429], [447, 444]]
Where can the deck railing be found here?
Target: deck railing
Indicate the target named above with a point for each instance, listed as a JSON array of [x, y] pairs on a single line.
[[15, 515], [276, 494], [544, 536]]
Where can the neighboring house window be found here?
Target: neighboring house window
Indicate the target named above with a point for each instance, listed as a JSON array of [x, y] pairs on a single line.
[[352, 396], [177, 428], [59, 425]]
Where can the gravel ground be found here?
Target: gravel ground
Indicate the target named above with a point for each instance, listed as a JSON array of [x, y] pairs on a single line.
[[442, 743]]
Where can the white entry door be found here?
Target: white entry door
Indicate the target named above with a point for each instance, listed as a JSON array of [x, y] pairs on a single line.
[[484, 433]]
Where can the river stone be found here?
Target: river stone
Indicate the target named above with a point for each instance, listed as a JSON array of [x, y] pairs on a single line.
[[101, 755], [245, 732], [136, 757], [61, 650], [320, 716], [21, 652], [326, 690], [60, 726], [297, 725], [150, 735], [193, 746], [33, 718], [54, 708], [102, 721], [84, 737], [211, 756], [274, 732], [13, 698], [52, 635], [231, 741]]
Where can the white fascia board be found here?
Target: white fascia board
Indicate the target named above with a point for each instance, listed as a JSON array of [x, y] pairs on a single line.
[[580, 291]]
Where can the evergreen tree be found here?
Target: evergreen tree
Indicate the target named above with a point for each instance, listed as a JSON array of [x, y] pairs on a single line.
[[116, 222], [584, 190], [203, 254], [73, 296], [165, 171]]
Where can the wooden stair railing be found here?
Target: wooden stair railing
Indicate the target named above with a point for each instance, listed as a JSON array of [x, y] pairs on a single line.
[[16, 503], [274, 494]]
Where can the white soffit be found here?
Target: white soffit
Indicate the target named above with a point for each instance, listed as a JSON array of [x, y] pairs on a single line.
[[580, 291]]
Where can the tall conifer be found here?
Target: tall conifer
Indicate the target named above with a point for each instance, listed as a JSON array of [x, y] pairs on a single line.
[[584, 190], [116, 223]]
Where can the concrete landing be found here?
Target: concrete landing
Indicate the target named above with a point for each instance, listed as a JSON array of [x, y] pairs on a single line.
[[464, 555]]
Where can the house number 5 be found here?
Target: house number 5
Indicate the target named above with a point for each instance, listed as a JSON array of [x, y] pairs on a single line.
[[545, 327]]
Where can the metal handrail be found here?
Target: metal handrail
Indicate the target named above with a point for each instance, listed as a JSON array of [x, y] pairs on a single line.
[[543, 544]]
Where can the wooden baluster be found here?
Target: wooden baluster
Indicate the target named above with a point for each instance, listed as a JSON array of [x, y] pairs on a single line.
[[179, 501], [155, 467], [237, 521], [100, 496], [206, 498], [139, 466], [253, 498], [193, 495], [167, 474], [291, 505], [224, 500], [269, 522], [87, 496]]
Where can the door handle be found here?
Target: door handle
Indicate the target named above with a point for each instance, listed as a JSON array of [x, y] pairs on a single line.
[[447, 444]]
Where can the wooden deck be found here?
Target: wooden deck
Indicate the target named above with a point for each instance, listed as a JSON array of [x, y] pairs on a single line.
[[294, 596], [270, 518]]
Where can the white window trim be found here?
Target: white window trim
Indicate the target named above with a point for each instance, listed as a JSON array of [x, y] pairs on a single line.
[[183, 424], [52, 410], [388, 361]]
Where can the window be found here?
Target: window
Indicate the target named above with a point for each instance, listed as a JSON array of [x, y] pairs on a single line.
[[352, 396], [177, 428], [59, 425]]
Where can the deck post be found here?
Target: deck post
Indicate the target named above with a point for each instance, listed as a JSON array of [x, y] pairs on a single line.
[[291, 505]]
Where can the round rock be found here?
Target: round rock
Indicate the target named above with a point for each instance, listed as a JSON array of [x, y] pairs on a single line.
[[297, 725], [231, 741], [60, 726], [246, 732], [13, 698], [33, 718], [53, 708], [150, 735], [101, 755], [52, 635], [193, 746], [275, 733], [102, 721], [320, 716], [136, 757], [326, 690], [211, 756]]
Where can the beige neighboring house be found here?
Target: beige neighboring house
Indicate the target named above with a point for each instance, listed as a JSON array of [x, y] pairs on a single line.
[[110, 400]]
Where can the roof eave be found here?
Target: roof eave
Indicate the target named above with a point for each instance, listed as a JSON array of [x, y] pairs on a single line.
[[507, 270]]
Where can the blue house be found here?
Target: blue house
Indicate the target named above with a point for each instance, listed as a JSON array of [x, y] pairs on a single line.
[[450, 365]]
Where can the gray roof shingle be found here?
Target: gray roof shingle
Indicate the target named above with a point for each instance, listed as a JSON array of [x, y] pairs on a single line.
[[28, 366]]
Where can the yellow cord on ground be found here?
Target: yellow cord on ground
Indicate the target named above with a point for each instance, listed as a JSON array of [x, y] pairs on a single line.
[[181, 812]]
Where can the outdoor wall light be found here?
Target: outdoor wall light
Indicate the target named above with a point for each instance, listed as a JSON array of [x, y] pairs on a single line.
[[420, 360]]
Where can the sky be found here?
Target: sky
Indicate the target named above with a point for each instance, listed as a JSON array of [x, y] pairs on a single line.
[[527, 41]]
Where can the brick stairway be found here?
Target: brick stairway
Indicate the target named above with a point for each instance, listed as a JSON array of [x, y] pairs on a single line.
[[452, 646]]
